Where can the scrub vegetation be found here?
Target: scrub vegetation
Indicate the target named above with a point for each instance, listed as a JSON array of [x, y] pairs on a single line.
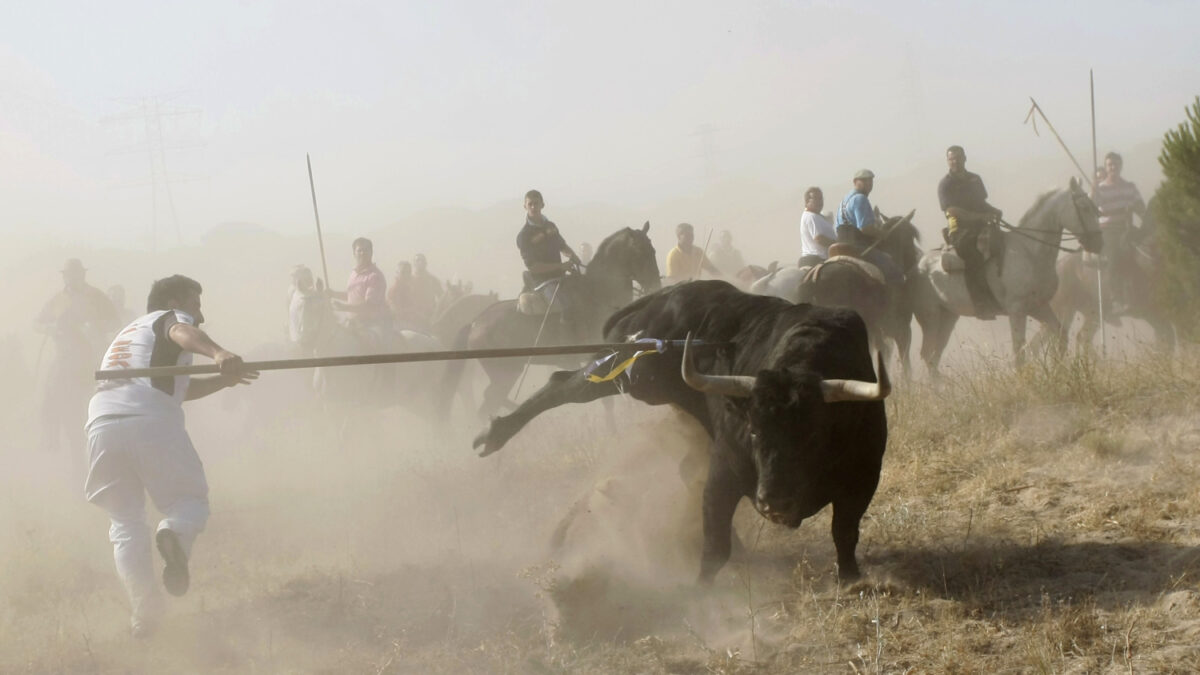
[[1040, 520]]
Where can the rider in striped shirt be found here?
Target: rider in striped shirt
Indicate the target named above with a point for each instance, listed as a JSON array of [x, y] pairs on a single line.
[[1118, 200]]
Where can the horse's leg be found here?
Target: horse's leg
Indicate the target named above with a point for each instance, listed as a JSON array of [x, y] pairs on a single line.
[[564, 386], [1016, 326], [939, 333], [1087, 332], [1164, 332], [501, 378], [901, 334], [1050, 323], [881, 343]]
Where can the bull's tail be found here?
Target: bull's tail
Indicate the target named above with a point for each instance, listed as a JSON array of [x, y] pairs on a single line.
[[452, 376]]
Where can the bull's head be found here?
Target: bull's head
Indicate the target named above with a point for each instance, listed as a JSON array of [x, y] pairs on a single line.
[[788, 424]]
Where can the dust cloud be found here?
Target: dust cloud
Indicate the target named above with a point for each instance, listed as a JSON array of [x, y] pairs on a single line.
[[375, 531], [335, 527]]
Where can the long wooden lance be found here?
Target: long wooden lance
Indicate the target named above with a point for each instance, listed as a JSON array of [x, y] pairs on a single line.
[[1099, 268], [1038, 110], [412, 357], [320, 240]]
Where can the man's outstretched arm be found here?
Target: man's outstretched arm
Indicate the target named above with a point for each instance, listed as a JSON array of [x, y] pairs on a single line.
[[192, 339]]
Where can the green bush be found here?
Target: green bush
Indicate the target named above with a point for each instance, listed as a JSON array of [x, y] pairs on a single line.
[[1176, 211]]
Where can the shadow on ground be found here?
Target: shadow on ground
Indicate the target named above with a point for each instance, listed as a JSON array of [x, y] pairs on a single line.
[[1004, 576]]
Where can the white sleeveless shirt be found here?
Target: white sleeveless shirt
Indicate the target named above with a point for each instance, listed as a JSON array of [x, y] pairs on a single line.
[[145, 343]]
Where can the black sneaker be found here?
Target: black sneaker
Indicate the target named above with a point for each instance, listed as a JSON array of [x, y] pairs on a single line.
[[175, 574]]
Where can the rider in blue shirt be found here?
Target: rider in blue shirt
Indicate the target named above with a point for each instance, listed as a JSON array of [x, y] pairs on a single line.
[[856, 226]]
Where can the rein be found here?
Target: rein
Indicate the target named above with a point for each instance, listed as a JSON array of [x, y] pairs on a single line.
[[1063, 233], [1028, 234]]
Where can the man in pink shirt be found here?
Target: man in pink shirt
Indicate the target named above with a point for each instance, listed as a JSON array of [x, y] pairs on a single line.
[[366, 290], [365, 298]]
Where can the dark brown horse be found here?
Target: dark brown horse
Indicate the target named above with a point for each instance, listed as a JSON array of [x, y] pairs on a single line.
[[1137, 274], [887, 310], [625, 257]]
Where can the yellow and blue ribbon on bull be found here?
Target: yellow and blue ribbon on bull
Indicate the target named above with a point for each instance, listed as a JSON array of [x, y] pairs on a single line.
[[616, 369]]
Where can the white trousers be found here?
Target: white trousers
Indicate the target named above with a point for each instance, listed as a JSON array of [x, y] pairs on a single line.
[[131, 456]]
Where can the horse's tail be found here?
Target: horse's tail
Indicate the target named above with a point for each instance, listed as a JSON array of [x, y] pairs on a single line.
[[453, 373]]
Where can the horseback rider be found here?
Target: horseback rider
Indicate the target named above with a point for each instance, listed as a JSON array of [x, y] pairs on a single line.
[[686, 261], [963, 199], [817, 234], [1118, 200], [365, 297], [426, 292], [725, 256], [542, 249], [72, 322], [858, 231]]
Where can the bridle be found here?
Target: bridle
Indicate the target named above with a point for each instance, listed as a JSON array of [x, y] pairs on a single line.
[[1064, 233]]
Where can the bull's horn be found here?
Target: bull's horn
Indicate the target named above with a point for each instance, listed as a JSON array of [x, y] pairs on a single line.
[[857, 390], [738, 386]]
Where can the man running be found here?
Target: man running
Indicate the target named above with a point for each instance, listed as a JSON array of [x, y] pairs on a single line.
[[137, 444]]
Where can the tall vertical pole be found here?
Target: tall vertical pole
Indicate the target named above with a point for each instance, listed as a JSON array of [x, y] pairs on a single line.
[[1100, 267], [320, 240]]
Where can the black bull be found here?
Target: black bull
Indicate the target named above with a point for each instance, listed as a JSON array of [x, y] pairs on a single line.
[[793, 407]]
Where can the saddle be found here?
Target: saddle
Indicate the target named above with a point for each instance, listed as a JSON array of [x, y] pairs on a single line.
[[989, 243], [864, 267], [536, 301]]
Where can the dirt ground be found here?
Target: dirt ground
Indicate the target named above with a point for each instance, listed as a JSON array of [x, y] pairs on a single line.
[[1042, 520]]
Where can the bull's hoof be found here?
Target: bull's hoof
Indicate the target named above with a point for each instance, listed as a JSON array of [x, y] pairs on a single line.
[[485, 439], [848, 574]]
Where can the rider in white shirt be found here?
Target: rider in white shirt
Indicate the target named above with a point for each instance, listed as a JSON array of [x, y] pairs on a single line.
[[816, 232]]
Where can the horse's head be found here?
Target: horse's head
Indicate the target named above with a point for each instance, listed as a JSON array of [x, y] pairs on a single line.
[[900, 239], [1083, 218], [629, 254]]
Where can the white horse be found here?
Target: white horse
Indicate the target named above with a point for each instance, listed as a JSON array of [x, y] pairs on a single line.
[[780, 282], [1023, 279]]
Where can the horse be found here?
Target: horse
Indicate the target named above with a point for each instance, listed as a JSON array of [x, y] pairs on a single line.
[[318, 332], [1023, 279], [841, 282], [624, 257], [1077, 292]]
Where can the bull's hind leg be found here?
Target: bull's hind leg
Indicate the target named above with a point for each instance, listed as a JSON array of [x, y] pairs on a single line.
[[565, 386]]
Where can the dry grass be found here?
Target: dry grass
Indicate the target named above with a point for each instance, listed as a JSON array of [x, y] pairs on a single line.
[[1045, 520]]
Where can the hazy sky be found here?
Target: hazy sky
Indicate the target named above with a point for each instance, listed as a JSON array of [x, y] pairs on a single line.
[[406, 106]]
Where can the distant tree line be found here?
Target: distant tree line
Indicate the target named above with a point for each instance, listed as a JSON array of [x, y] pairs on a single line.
[[1176, 213]]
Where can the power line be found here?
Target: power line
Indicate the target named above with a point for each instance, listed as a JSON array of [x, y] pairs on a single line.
[[148, 113]]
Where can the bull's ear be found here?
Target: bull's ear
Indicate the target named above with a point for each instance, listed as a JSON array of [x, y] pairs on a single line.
[[646, 227]]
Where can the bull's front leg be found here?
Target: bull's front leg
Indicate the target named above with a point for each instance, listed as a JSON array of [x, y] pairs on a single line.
[[847, 514], [564, 386], [722, 493]]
